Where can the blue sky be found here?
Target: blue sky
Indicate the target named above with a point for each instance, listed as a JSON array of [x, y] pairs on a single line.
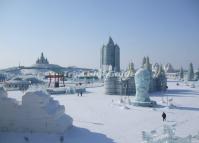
[[71, 32]]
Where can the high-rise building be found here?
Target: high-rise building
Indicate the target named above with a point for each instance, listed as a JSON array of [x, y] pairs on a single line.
[[110, 56]]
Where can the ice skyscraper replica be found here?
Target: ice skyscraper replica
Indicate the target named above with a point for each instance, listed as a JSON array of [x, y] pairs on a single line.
[[110, 56]]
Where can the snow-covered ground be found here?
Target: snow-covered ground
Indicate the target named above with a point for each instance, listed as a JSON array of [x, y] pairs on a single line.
[[100, 118]]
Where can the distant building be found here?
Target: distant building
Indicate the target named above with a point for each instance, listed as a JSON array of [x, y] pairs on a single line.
[[169, 68], [42, 60], [110, 56], [16, 84]]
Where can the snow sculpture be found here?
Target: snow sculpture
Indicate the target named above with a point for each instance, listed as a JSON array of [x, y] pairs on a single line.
[[142, 81], [38, 113], [190, 74]]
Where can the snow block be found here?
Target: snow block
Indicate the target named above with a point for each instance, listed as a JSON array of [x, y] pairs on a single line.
[[38, 113]]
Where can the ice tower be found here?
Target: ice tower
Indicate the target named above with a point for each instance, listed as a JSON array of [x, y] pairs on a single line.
[[110, 56], [142, 82]]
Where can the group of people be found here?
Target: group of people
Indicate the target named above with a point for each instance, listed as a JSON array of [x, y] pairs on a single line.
[[79, 90]]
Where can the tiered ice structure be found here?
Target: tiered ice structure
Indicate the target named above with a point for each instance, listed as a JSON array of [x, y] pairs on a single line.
[[142, 82], [37, 113]]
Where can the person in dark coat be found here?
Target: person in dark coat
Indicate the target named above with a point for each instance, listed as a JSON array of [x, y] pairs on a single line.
[[164, 116], [61, 139], [26, 139], [81, 92]]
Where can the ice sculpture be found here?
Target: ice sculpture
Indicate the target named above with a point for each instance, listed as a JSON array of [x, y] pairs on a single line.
[[165, 136], [38, 113], [142, 81]]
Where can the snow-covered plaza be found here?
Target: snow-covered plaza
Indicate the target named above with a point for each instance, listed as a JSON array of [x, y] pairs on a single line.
[[104, 118]]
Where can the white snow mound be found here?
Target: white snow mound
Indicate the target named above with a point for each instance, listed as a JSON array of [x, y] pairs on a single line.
[[38, 113]]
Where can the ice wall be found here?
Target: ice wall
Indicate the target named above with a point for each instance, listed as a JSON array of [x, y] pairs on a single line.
[[37, 113]]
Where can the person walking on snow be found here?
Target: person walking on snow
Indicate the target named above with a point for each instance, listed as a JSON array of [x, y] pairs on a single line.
[[164, 116]]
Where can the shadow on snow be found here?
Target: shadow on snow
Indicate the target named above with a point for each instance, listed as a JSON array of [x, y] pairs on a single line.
[[73, 135], [186, 108], [176, 92]]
